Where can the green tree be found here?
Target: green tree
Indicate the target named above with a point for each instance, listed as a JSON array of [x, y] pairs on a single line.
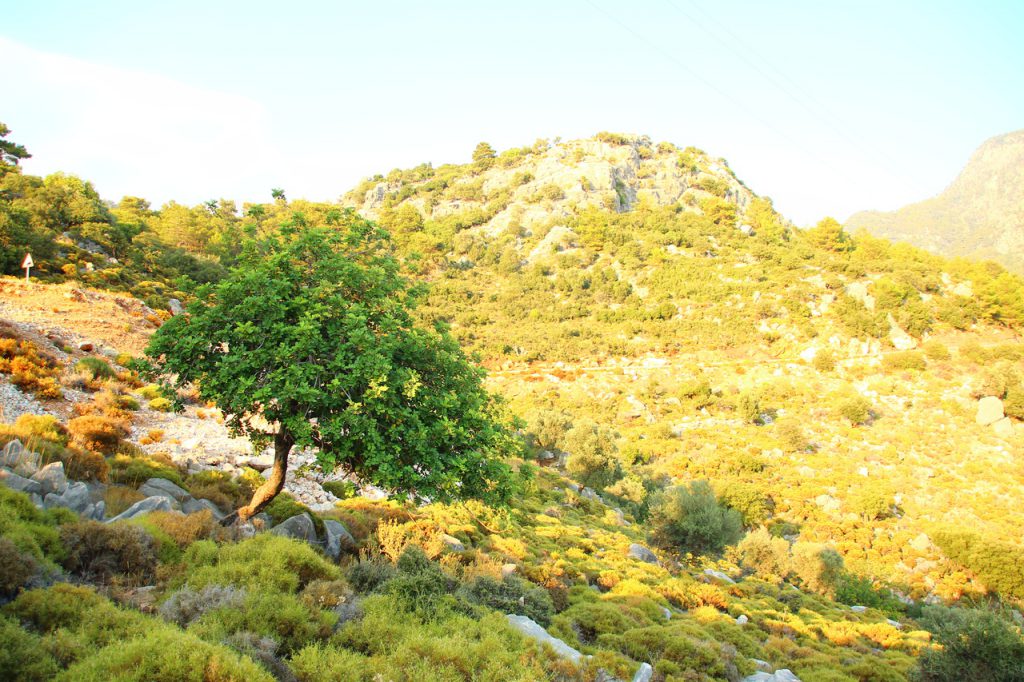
[[975, 645], [483, 155], [690, 518], [10, 152], [593, 454], [310, 342], [828, 234]]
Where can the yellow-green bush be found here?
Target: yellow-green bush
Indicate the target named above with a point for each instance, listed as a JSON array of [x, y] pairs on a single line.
[[265, 562]]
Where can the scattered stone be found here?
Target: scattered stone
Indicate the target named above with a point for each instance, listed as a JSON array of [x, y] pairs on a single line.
[[718, 577], [52, 479], [895, 623], [174, 305], [193, 505], [534, 631], [641, 553], [20, 483], [742, 619], [161, 487], [644, 674], [591, 495], [667, 613], [509, 570], [858, 609], [922, 543], [150, 504], [338, 538], [763, 666], [990, 410], [86, 347], [453, 543], [781, 675], [299, 527], [1003, 428], [12, 453], [76, 498]]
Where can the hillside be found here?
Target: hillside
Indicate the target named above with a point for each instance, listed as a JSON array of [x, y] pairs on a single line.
[[747, 451], [980, 215]]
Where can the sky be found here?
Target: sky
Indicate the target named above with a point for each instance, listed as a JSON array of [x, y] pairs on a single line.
[[826, 107]]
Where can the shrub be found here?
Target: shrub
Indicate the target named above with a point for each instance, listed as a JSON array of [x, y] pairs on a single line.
[[85, 465], [420, 585], [791, 435], [118, 498], [223, 490], [1000, 565], [511, 595], [284, 617], [16, 567], [341, 489], [326, 594], [818, 567], [95, 368], [183, 529], [151, 392], [61, 606], [134, 471], [265, 562], [690, 518], [99, 552], [975, 645], [30, 530], [97, 433], [549, 427], [855, 408], [161, 404], [936, 350], [905, 360], [368, 575], [166, 655], [188, 605], [23, 656], [874, 500], [395, 537], [43, 426], [824, 360], [593, 458], [767, 556], [30, 369]]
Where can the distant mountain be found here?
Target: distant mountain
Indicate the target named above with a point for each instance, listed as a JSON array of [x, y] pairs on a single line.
[[980, 215]]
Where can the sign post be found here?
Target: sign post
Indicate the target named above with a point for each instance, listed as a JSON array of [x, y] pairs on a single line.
[[27, 264]]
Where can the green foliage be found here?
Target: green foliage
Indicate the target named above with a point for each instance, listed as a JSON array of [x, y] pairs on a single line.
[[854, 408], [96, 368], [99, 551], [818, 567], [341, 489], [367, 575], [16, 567], [824, 360], [828, 234], [905, 360], [975, 645], [593, 454], [874, 500], [266, 562], [1000, 565], [689, 518], [764, 554], [31, 531], [22, 656], [510, 595], [283, 617], [397, 404], [549, 428]]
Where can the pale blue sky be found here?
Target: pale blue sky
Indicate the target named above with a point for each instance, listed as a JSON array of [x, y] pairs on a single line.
[[827, 107]]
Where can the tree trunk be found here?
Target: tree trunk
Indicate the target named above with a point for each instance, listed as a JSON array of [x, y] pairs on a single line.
[[283, 442]]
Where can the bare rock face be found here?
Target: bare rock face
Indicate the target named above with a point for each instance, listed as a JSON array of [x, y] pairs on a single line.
[[990, 410], [534, 631]]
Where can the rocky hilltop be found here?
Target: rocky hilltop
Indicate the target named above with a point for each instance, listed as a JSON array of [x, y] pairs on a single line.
[[980, 215]]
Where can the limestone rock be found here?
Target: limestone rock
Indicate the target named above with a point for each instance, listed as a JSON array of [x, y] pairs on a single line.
[[12, 453], [508, 570], [338, 538], [161, 487], [150, 504], [718, 577], [76, 498], [531, 629], [858, 609], [781, 675], [299, 527], [641, 553], [193, 505], [51, 478], [20, 483], [452, 543], [174, 305], [990, 410], [644, 674], [1003, 428], [742, 619]]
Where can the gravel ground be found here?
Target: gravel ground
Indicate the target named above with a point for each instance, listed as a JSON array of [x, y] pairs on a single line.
[[14, 403]]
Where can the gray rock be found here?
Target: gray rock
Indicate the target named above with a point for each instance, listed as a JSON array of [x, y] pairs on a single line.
[[742, 619], [535, 632], [174, 305], [641, 553], [36, 499], [665, 612], [644, 674], [509, 570], [338, 538], [452, 543], [895, 623], [990, 410], [150, 504], [12, 453], [785, 675], [299, 527], [763, 666], [858, 609], [76, 498], [718, 577], [780, 675], [591, 495], [161, 487], [193, 505], [99, 511], [20, 483], [1003, 428], [52, 479]]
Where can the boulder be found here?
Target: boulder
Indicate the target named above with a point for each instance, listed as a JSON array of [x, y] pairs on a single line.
[[990, 410], [508, 570], [452, 543], [175, 307], [718, 577], [644, 674], [20, 483], [299, 527], [665, 612], [76, 498], [1003, 428], [193, 505], [150, 504], [858, 609], [781, 675], [763, 666], [589, 494], [161, 487], [742, 619], [52, 479], [641, 553], [531, 629], [338, 538], [12, 453]]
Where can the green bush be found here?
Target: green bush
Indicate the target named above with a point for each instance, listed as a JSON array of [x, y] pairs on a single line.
[[265, 562], [343, 490], [1000, 565], [855, 408], [44, 426], [32, 531], [420, 586], [367, 575], [22, 656], [818, 567], [689, 518], [764, 554], [99, 551], [134, 471], [511, 595], [976, 645], [905, 360], [96, 368], [824, 360], [161, 404], [16, 567], [593, 455]]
